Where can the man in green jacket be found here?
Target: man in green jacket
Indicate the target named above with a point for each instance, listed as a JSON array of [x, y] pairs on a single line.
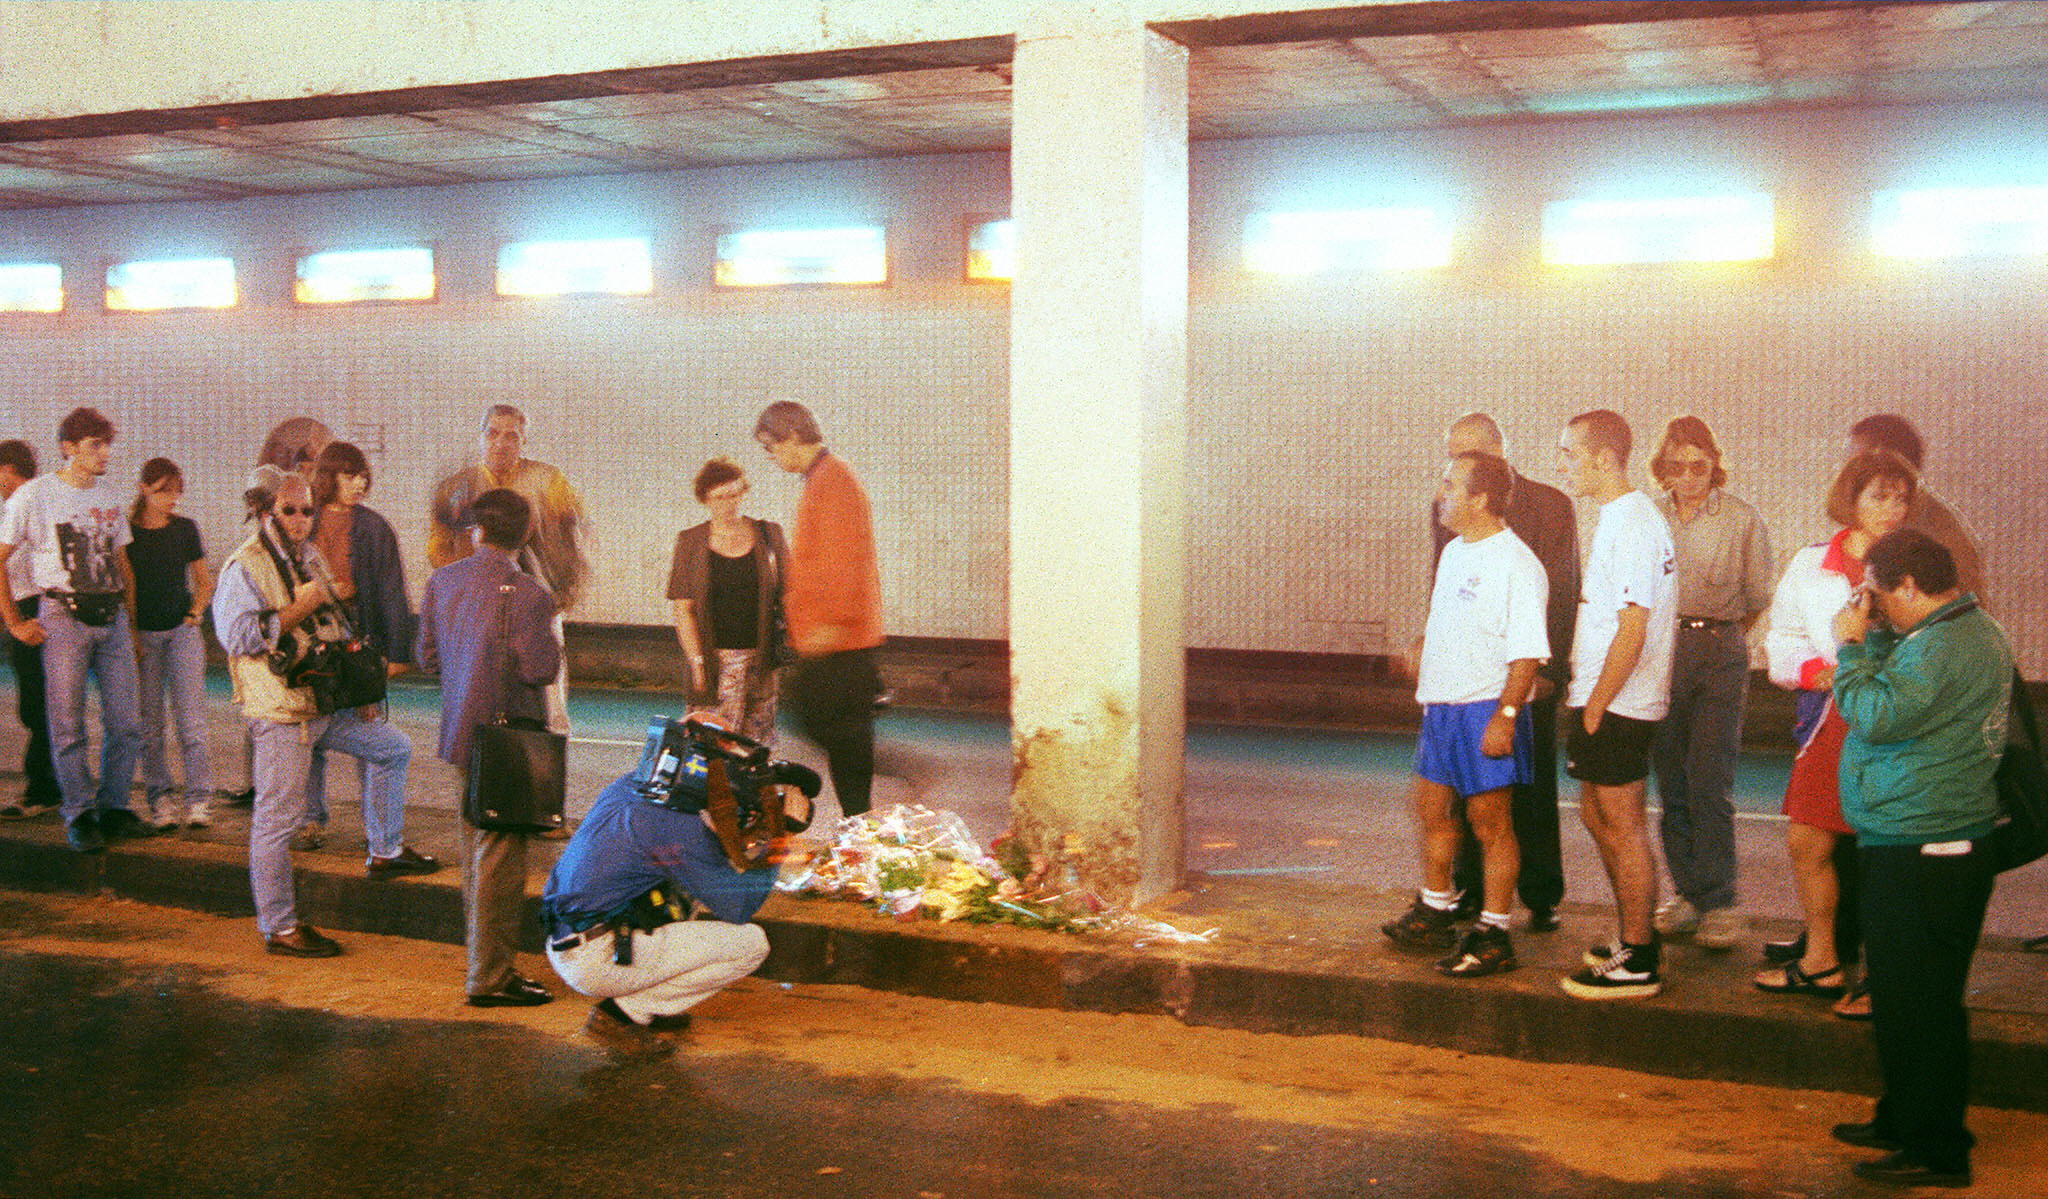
[[1925, 683]]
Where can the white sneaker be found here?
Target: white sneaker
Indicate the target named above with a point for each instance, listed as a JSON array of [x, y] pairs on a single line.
[[199, 815], [164, 814], [1676, 918], [1722, 928]]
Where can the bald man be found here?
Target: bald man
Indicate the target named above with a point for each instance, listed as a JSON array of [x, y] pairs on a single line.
[[1542, 517]]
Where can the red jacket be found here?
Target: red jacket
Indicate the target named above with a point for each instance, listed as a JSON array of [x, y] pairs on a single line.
[[833, 580]]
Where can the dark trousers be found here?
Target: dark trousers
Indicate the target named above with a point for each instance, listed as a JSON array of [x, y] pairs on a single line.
[[833, 699], [1532, 806], [1694, 756], [1921, 918], [36, 765]]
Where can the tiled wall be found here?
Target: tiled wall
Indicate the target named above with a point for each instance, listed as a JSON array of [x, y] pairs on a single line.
[[1316, 407]]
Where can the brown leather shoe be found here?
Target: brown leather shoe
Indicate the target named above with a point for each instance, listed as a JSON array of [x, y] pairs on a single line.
[[305, 941], [405, 861], [615, 1030]]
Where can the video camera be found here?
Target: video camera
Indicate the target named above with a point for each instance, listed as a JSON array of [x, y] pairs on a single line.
[[694, 765]]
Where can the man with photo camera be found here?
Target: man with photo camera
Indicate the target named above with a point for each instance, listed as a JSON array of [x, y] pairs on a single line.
[[695, 825]]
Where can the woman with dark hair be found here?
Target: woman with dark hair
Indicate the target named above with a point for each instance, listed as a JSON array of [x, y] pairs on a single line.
[[361, 553], [1724, 583], [172, 589], [725, 587], [1870, 497]]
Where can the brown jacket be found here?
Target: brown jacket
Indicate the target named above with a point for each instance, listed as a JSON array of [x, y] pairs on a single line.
[[689, 578]]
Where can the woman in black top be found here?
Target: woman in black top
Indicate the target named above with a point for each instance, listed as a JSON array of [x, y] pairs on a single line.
[[172, 589], [725, 586]]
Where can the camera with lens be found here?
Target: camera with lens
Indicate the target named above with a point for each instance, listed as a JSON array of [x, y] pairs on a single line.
[[694, 765]]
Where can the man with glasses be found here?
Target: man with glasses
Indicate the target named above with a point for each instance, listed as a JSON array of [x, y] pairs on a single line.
[[1725, 572], [273, 602]]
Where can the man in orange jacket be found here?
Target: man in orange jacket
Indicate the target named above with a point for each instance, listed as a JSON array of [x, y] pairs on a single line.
[[832, 600]]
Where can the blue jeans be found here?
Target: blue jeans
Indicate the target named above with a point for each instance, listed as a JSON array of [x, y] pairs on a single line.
[[172, 665], [284, 753], [71, 650]]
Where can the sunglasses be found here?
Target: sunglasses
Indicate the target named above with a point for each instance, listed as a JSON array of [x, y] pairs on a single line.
[[294, 510]]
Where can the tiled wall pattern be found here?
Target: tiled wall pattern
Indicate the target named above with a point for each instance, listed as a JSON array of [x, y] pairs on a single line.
[[1316, 406]]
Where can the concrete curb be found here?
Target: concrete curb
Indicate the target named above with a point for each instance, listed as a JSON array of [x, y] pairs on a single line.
[[1710, 1032]]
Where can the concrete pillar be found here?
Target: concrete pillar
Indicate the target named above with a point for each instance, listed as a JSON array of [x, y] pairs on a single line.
[[1098, 389]]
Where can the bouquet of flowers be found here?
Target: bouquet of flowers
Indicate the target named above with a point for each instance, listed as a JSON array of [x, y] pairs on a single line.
[[912, 862]]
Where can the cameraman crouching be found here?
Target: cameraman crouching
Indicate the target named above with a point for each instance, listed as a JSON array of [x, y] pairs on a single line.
[[617, 905]]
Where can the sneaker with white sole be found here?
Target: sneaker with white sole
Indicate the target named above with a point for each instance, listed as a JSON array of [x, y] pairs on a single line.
[[166, 813], [1629, 974], [1597, 955], [199, 815], [1721, 928], [1676, 918], [1482, 951]]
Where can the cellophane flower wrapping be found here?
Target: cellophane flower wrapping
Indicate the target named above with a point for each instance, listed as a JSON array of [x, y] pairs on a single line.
[[913, 862]]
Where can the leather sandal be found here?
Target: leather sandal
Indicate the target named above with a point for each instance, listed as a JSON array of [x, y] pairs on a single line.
[[1797, 981], [1855, 1005]]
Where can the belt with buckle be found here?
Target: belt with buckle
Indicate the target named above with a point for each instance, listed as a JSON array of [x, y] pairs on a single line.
[[1702, 622], [565, 944]]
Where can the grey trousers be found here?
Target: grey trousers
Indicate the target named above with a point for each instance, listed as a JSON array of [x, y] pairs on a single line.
[[1694, 757], [493, 904]]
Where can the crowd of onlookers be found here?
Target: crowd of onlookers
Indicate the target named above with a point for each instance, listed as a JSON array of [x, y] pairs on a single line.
[[1642, 645], [113, 592], [1903, 688]]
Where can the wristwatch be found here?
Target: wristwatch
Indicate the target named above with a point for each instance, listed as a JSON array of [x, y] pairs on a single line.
[[1508, 710]]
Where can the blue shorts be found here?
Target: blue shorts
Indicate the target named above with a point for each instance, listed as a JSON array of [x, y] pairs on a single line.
[[1448, 753]]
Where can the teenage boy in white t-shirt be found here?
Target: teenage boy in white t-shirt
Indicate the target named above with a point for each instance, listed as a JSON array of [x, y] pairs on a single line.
[[1483, 643], [73, 530], [1621, 688]]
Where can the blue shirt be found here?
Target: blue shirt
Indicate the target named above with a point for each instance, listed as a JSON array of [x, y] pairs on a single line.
[[627, 846]]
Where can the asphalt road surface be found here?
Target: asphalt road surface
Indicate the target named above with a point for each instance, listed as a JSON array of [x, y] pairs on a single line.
[[153, 1052]]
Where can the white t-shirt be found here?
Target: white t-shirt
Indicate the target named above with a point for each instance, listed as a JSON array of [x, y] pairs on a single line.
[[1631, 562], [71, 534], [1487, 611]]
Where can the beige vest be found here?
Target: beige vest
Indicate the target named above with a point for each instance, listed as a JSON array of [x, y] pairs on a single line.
[[262, 694]]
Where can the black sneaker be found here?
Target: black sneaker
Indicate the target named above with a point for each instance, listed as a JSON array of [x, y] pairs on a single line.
[[1543, 920], [1630, 974], [83, 834], [245, 798], [1483, 951], [1598, 954], [1423, 927], [117, 824]]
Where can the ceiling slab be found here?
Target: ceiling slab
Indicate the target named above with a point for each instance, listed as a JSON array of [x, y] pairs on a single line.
[[1359, 69]]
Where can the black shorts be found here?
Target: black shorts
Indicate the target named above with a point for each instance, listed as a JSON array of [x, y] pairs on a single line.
[[1615, 756]]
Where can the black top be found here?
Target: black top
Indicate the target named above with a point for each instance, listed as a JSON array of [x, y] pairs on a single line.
[[735, 595], [159, 557]]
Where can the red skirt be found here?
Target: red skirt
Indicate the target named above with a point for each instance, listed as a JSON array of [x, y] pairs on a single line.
[[1813, 795]]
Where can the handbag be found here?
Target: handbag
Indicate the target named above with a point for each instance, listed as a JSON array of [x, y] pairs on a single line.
[[342, 673], [518, 766], [2021, 835]]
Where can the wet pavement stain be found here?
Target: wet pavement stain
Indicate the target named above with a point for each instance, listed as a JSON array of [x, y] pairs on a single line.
[[145, 1082]]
